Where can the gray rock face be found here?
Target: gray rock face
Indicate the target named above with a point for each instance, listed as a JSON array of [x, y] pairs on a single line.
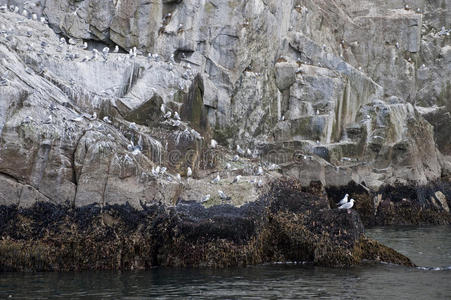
[[357, 90]]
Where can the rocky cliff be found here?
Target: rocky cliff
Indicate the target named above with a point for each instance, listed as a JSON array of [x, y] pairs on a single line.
[[337, 92]]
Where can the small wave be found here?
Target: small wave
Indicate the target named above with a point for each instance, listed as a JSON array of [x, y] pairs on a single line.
[[435, 268]]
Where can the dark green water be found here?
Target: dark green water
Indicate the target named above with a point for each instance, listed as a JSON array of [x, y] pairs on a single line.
[[429, 247]]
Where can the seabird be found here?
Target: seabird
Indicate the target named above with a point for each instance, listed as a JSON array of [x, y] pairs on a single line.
[[178, 177], [43, 20], [16, 9], [167, 115], [260, 171], [48, 120], [273, 167], [344, 200], [62, 41], [132, 125], [196, 134], [34, 17], [163, 170], [107, 120], [222, 195], [116, 49], [236, 158], [347, 205], [228, 166], [189, 172], [260, 183], [25, 13], [213, 143], [236, 179], [239, 150], [205, 198], [163, 108], [216, 179], [84, 46], [406, 7], [176, 116], [77, 119], [155, 171], [105, 52]]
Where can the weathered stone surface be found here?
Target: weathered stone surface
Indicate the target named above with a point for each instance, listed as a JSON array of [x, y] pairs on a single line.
[[361, 88]]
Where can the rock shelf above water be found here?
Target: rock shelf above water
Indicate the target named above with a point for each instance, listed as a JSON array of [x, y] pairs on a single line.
[[284, 225]]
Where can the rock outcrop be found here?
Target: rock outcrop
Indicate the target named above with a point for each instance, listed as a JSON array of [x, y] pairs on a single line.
[[355, 91], [285, 224]]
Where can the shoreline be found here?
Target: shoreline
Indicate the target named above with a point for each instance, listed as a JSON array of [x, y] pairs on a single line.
[[285, 224]]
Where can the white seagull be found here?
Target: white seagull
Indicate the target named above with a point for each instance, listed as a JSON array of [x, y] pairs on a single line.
[[236, 179], [344, 200], [216, 179], [348, 205], [205, 198], [222, 195], [189, 172]]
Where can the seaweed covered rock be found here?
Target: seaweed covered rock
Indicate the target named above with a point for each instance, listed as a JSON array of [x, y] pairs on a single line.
[[285, 224], [398, 204]]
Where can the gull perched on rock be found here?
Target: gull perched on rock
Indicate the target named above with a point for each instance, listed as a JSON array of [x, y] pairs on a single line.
[[228, 166], [116, 49], [156, 171], [107, 120], [196, 134], [239, 150], [216, 179], [205, 198], [236, 179], [48, 120], [167, 115], [176, 116], [132, 126], [347, 205], [344, 200], [222, 195], [213, 143], [260, 171], [189, 172], [105, 52], [236, 158]]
